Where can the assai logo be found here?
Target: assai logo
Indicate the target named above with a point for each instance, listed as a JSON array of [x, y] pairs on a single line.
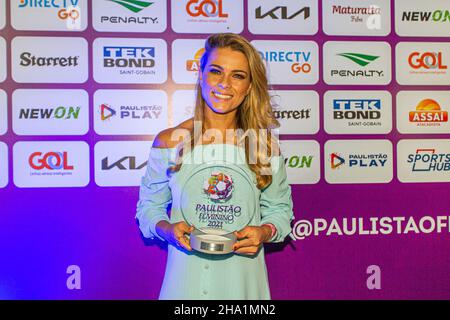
[[142, 58], [59, 112], [360, 112], [299, 61], [427, 62], [437, 16], [282, 12], [194, 64], [362, 60], [3, 165], [206, 9], [428, 113], [131, 112], [429, 160], [51, 161]]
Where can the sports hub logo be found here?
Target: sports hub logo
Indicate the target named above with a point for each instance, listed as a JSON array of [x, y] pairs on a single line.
[[423, 160], [129, 15], [429, 160]]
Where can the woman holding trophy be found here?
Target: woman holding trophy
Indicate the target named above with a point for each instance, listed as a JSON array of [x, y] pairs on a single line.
[[222, 175]]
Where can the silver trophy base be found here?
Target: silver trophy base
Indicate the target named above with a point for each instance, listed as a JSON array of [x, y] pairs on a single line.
[[212, 241]]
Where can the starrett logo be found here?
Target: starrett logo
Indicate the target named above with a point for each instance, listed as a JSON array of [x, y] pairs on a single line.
[[133, 5], [361, 59]]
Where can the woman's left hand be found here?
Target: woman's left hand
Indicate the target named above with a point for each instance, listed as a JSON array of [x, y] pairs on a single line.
[[251, 238]]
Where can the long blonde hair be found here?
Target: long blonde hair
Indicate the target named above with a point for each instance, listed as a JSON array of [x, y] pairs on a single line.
[[254, 115]]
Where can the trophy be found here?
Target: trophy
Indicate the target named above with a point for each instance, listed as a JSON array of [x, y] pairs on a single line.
[[217, 199]]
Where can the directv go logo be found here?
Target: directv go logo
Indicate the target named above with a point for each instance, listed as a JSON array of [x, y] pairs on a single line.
[[300, 60], [70, 10]]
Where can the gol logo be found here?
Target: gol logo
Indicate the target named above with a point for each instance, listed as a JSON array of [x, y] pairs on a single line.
[[50, 161], [427, 60], [194, 65], [70, 13], [428, 111], [205, 8]]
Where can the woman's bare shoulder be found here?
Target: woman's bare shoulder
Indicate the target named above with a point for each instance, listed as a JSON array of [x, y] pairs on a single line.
[[169, 138]]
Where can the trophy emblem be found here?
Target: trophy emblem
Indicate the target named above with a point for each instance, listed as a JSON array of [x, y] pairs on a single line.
[[217, 200]]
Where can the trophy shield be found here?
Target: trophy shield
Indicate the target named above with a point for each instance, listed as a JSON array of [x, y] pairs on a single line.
[[217, 199]]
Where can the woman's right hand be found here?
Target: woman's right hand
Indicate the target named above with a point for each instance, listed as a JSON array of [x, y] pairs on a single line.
[[175, 233]]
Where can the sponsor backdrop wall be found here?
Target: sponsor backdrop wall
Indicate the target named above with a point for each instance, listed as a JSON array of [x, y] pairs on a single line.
[[361, 89]]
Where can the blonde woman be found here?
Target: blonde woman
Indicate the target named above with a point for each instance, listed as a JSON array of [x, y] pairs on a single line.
[[231, 131]]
